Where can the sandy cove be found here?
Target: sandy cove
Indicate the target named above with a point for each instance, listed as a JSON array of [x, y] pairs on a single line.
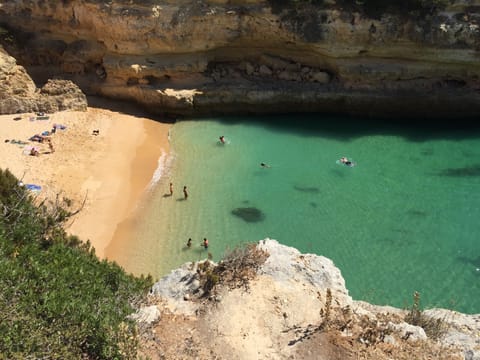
[[109, 172]]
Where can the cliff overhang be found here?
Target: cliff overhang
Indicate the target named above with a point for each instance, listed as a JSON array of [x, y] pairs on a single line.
[[220, 57]]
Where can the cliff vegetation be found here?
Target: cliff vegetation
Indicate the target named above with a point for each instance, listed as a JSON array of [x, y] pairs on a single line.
[[57, 299]]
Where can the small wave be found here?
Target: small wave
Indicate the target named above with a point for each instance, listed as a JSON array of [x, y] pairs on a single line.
[[162, 165]]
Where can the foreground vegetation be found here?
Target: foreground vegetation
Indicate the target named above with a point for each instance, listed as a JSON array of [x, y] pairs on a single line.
[[57, 299]]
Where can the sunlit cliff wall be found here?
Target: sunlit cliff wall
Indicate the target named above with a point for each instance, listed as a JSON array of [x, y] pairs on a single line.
[[199, 57]]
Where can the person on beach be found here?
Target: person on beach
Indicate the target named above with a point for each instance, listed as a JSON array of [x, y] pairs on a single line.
[[189, 242], [34, 152], [171, 189], [185, 193], [263, 165], [205, 243], [222, 139], [50, 145]]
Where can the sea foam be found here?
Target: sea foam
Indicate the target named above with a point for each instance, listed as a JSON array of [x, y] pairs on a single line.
[[164, 164]]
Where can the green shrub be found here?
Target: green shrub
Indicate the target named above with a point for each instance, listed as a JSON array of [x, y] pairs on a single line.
[[57, 300]]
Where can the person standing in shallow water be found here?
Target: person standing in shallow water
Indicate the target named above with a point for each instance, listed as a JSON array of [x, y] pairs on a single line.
[[185, 193], [171, 189], [189, 242], [205, 243]]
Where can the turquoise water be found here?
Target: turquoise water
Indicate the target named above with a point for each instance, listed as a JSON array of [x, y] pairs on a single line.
[[404, 219]]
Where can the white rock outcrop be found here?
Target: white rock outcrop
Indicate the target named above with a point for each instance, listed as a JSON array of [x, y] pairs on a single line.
[[289, 296]]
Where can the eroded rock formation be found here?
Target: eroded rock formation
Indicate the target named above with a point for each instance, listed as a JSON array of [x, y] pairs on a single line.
[[296, 306], [215, 56], [19, 94]]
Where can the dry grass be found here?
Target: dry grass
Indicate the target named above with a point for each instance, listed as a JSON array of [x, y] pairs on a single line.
[[434, 328], [236, 270]]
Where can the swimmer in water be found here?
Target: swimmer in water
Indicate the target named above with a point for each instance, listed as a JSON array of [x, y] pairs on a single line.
[[263, 165], [222, 139], [345, 161]]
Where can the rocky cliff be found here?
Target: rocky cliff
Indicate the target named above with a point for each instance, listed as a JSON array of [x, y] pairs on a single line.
[[19, 94], [272, 302], [225, 56]]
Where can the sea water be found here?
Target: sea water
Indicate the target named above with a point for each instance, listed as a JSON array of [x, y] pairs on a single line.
[[405, 218]]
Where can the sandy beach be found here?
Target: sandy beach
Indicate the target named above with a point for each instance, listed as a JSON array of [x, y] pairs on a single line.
[[107, 172]]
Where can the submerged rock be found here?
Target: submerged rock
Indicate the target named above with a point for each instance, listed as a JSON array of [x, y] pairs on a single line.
[[307, 189], [249, 214], [466, 171]]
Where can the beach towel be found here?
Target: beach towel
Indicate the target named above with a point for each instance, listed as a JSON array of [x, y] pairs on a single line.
[[27, 149], [59, 126], [36, 137], [33, 187], [18, 142]]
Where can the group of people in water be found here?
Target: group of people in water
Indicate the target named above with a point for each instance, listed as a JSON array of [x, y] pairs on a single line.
[[343, 160], [204, 243], [222, 140], [185, 192], [185, 196]]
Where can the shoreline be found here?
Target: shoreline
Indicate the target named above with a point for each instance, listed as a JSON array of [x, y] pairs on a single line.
[[108, 172], [118, 246]]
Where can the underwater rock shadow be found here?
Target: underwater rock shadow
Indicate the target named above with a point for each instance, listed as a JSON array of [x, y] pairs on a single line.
[[249, 214], [307, 189], [427, 152], [467, 171], [416, 212], [475, 262], [397, 241]]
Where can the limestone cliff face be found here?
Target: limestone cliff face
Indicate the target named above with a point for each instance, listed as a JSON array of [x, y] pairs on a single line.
[[197, 57], [19, 94]]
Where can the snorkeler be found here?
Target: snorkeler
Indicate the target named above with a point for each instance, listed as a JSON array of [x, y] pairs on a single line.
[[345, 161]]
